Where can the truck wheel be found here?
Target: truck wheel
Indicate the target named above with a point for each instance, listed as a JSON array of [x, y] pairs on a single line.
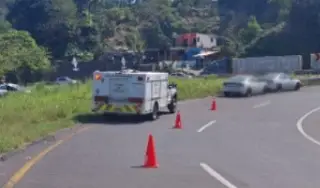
[[227, 94], [173, 105], [155, 112]]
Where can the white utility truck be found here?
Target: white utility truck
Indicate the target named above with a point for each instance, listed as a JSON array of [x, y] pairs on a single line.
[[130, 92]]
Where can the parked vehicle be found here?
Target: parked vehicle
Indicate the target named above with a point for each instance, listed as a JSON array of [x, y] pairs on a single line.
[[244, 85], [281, 81], [65, 80], [9, 87], [180, 75], [3, 92]]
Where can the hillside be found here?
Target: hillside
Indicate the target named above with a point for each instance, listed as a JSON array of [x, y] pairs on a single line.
[[88, 28]]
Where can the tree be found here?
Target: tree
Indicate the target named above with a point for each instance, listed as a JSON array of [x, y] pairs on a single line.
[[20, 54], [252, 30], [50, 22]]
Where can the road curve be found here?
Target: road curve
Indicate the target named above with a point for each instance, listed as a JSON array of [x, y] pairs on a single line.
[[245, 143]]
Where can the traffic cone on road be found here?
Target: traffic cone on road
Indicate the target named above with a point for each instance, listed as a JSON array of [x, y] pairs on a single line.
[[150, 157], [214, 105], [178, 123]]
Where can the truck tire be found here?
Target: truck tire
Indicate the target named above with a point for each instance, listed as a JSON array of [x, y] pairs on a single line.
[[155, 112], [226, 94], [173, 105]]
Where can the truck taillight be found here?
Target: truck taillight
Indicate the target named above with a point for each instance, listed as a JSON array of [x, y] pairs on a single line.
[[97, 76], [101, 99], [135, 100]]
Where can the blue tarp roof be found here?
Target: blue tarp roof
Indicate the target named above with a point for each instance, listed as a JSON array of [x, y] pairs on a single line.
[[191, 52]]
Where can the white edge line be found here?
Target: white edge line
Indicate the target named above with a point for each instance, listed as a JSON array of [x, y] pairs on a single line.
[[216, 175], [300, 126], [206, 126], [262, 104]]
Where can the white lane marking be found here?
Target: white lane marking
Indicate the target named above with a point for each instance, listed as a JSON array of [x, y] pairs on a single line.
[[300, 126], [216, 175], [262, 104], [206, 126]]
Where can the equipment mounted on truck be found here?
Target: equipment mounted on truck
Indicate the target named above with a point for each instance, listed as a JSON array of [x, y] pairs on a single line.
[[130, 92]]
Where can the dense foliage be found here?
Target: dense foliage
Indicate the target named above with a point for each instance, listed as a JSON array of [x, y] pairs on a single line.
[[87, 28]]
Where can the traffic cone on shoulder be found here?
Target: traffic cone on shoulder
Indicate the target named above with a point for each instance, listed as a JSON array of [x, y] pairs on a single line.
[[150, 157], [178, 123], [214, 105]]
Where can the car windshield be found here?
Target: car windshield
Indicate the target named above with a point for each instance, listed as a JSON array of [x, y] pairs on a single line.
[[63, 79], [3, 87], [239, 78], [270, 76], [14, 87]]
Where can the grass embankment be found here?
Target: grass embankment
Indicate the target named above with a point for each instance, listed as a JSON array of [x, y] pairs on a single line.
[[27, 117]]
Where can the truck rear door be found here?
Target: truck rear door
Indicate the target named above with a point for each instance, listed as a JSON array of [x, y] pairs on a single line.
[[127, 90], [119, 87]]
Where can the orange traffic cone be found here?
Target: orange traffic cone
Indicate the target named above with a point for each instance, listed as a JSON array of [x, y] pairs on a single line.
[[178, 123], [213, 105], [150, 158]]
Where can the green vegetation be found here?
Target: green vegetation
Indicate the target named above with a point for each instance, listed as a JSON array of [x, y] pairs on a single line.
[[21, 56], [26, 117], [59, 29], [197, 88], [87, 28]]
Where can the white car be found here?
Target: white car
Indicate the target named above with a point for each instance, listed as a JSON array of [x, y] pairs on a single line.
[[9, 87], [244, 85], [65, 80], [181, 75], [281, 81]]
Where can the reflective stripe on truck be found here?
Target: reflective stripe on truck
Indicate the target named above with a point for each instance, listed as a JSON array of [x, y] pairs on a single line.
[[119, 109]]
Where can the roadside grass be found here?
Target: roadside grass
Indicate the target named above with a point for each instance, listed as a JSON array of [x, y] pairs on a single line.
[[198, 87], [26, 117]]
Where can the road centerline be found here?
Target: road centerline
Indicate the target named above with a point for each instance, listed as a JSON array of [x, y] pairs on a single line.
[[216, 175], [262, 104], [18, 175], [206, 126]]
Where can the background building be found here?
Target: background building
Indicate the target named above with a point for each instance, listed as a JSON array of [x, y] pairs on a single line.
[[204, 41]]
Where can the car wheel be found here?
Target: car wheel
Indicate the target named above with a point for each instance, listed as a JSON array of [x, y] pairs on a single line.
[[226, 94], [279, 87], [265, 90], [248, 93], [297, 87]]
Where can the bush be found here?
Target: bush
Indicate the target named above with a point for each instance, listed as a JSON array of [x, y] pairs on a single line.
[[26, 117]]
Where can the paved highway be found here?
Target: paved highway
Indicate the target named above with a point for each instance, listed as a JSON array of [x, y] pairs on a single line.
[[260, 142]]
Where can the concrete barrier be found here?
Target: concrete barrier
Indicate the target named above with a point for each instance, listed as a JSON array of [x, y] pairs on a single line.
[[310, 81]]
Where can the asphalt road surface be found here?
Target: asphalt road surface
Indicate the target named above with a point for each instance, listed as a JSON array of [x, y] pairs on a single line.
[[268, 141]]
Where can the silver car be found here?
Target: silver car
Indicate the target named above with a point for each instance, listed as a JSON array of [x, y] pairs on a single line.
[[244, 85], [281, 81], [65, 80], [9, 87]]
